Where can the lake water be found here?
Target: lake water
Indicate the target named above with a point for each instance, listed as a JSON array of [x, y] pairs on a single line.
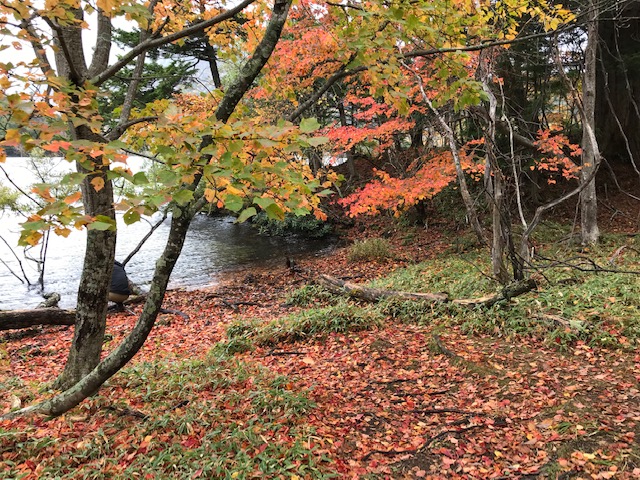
[[212, 246]]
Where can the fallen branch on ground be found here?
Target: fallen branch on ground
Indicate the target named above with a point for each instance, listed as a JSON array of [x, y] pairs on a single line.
[[19, 319], [341, 287], [445, 350]]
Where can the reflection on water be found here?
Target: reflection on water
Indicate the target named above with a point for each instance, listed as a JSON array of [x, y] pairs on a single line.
[[212, 246]]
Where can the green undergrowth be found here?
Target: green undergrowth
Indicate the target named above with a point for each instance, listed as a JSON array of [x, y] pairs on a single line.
[[577, 299], [339, 317], [369, 249], [215, 418]]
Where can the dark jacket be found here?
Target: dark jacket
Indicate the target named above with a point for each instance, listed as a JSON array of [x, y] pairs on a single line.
[[119, 280]]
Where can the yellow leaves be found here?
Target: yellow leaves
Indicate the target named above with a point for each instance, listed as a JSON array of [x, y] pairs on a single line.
[[107, 6], [12, 137], [32, 238], [62, 231], [210, 194], [98, 183]]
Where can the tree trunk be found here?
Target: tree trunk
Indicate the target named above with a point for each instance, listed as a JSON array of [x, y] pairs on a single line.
[[618, 83], [590, 153], [91, 382], [472, 213], [91, 311], [351, 152], [494, 182]]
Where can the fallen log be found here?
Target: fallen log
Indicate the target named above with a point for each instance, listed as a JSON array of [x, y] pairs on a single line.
[[341, 287], [509, 291], [20, 319], [17, 319]]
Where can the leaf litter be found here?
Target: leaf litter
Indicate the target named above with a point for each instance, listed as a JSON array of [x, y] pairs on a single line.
[[382, 403]]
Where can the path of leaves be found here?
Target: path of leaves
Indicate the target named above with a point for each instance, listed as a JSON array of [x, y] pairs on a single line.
[[389, 402]]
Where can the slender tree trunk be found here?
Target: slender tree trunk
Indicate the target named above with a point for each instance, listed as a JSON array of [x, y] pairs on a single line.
[[91, 312], [91, 382], [213, 62], [351, 152], [472, 213], [590, 154]]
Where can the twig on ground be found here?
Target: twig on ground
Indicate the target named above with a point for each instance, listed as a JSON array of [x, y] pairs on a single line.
[[175, 312], [445, 350], [433, 411], [181, 404], [274, 353]]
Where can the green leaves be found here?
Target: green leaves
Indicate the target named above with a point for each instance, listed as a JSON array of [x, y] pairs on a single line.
[[308, 125], [182, 197], [246, 214], [102, 223]]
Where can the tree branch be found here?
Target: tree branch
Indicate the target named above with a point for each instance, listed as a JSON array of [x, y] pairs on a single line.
[[157, 42]]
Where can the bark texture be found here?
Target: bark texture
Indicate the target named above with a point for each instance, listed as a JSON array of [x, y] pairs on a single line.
[[91, 311]]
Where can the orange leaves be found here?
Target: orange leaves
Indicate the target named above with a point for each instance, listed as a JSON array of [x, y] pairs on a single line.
[[397, 194], [56, 145], [560, 156], [98, 183], [73, 198]]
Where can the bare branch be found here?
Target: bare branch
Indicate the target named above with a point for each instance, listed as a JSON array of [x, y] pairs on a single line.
[[118, 130]]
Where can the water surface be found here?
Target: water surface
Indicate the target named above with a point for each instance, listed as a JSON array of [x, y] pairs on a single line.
[[213, 246]]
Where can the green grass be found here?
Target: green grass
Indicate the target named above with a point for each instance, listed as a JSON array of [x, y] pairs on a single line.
[[343, 316], [369, 249], [570, 305], [234, 420]]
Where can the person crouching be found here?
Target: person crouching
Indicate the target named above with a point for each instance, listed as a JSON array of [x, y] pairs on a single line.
[[120, 287]]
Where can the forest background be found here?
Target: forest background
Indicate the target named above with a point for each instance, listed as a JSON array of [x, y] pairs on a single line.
[[514, 120]]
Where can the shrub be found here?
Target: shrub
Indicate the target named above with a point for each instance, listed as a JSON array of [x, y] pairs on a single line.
[[306, 225]]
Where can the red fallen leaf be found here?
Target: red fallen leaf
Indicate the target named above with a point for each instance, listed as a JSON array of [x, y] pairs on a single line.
[[190, 442]]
